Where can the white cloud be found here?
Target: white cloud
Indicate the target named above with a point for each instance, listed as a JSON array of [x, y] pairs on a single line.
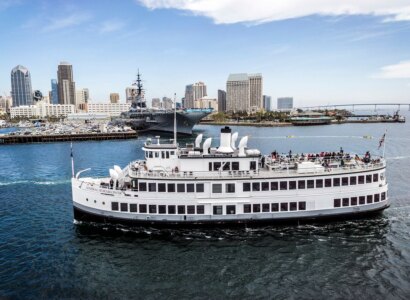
[[111, 26], [73, 19], [4, 4], [261, 11], [397, 71]]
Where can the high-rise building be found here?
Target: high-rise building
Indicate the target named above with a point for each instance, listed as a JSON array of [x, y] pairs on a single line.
[[82, 97], [156, 103], [267, 103], [54, 92], [167, 103], [194, 92], [237, 93], [207, 102], [66, 84], [114, 98], [21, 91], [130, 94], [244, 92], [285, 103], [221, 100]]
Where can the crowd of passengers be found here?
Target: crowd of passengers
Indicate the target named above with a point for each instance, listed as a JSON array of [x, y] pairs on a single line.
[[323, 157]]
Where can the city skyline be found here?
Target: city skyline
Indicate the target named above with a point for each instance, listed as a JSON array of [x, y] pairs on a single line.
[[318, 53]]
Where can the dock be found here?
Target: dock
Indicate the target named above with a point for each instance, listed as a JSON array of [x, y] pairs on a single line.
[[24, 139]]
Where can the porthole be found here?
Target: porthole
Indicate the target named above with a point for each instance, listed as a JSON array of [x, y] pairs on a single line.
[[95, 201], [103, 203], [86, 199]]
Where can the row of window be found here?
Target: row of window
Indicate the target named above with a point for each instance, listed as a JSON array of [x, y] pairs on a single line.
[[310, 183], [361, 200], [274, 207], [171, 187], [158, 154], [158, 209]]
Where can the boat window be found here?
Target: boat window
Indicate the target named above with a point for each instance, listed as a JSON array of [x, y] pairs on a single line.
[[301, 184], [302, 205], [274, 186], [199, 187], [142, 186], [181, 209], [265, 207], [114, 205], [362, 200], [328, 182], [172, 152], [156, 154], [376, 197], [230, 209], [292, 185], [217, 165], [162, 187], [151, 155], [383, 196], [368, 178], [230, 188], [293, 206], [369, 199], [283, 207], [246, 187], [152, 187], [143, 208], [275, 207], [345, 201], [310, 184], [200, 209], [353, 201], [353, 180], [217, 188], [336, 202], [171, 209], [134, 184], [210, 166], [361, 179], [336, 181], [256, 186], [283, 185], [227, 166], [256, 208], [252, 165], [382, 176], [162, 154], [375, 177], [319, 183], [265, 186], [235, 166], [133, 207], [152, 209], [217, 210], [171, 187], [246, 208], [162, 209], [190, 188], [181, 188], [191, 209], [167, 154], [345, 181]]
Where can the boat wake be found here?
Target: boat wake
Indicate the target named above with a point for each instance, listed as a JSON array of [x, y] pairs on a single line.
[[18, 182], [397, 157]]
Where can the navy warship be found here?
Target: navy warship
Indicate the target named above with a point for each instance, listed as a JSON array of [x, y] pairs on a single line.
[[142, 118]]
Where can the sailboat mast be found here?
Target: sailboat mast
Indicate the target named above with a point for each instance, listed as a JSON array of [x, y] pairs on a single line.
[[175, 119]]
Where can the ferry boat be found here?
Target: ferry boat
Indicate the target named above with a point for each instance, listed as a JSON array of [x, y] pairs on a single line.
[[230, 184]]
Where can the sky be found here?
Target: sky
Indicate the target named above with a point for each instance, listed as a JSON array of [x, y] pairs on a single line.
[[317, 51]]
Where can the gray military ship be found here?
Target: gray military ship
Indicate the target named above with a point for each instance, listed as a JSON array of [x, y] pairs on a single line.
[[141, 118]]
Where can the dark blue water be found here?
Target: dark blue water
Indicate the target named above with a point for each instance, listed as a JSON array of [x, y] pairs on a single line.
[[44, 255]]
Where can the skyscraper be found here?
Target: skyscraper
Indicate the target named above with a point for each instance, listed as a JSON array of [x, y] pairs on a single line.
[[221, 100], [114, 98], [21, 91], [237, 93], [244, 92], [266, 103], [66, 84], [194, 92], [285, 103], [54, 92]]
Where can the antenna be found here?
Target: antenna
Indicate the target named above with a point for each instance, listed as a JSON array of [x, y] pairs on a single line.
[[175, 119]]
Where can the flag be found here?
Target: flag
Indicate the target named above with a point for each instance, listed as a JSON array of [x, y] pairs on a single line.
[[381, 141]]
